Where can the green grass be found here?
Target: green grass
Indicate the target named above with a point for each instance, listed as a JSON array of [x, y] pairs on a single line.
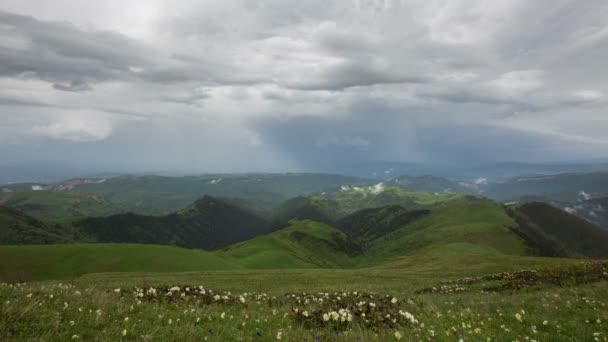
[[26, 263], [90, 308], [313, 248], [481, 223]]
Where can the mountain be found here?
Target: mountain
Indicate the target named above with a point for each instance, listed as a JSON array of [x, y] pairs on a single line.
[[158, 195], [458, 235], [47, 204], [550, 231], [369, 224], [303, 244], [481, 224], [210, 223], [18, 228], [332, 205], [316, 208], [353, 198], [594, 210], [430, 184], [530, 229], [562, 187]]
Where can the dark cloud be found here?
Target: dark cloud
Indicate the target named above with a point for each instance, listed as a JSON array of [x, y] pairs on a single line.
[[60, 53], [303, 84]]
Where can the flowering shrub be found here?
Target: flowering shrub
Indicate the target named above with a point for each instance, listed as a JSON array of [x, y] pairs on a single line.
[[583, 273], [340, 309], [195, 294]]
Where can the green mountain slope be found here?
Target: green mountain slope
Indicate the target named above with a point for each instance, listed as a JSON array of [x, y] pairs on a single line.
[[210, 223], [19, 228], [550, 231], [304, 244], [479, 224], [27, 263], [369, 224], [332, 206], [58, 205], [316, 208]]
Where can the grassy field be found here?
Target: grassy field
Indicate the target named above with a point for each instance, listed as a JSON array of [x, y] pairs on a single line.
[[269, 305], [28, 263]]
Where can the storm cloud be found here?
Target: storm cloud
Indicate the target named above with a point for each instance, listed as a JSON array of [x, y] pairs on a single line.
[[302, 85]]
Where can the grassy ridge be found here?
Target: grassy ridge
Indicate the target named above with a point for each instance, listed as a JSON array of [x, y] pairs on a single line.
[[482, 223], [304, 244], [477, 233]]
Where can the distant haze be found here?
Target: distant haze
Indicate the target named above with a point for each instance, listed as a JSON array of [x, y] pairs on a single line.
[[282, 85]]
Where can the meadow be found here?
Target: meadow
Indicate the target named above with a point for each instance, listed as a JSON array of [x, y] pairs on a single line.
[[427, 297]]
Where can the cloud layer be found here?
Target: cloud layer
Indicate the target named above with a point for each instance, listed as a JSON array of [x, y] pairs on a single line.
[[300, 85]]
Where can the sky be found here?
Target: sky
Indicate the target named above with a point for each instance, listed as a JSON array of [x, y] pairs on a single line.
[[282, 85]]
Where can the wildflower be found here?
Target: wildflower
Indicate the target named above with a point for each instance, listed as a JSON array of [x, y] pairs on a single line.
[[397, 335], [242, 299], [174, 289], [325, 317], [29, 295], [75, 337], [126, 319], [223, 315], [124, 332], [519, 317], [117, 290], [394, 300], [170, 321], [545, 323], [305, 313], [279, 335], [72, 323]]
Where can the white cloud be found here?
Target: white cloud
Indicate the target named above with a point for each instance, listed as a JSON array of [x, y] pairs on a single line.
[[589, 95], [75, 127]]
